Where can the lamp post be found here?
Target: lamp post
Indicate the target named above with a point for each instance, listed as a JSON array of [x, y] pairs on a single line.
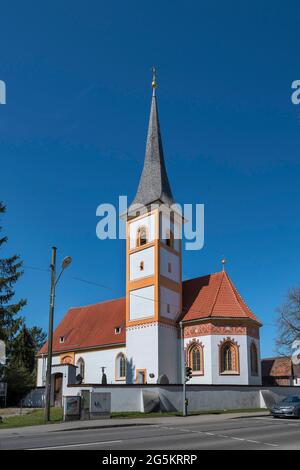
[[65, 263]]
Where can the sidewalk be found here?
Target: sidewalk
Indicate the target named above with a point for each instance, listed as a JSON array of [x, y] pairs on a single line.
[[124, 422]]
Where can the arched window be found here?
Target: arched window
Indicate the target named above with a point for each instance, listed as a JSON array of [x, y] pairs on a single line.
[[80, 367], [195, 358], [170, 239], [254, 359], [120, 366], [142, 236], [229, 357]]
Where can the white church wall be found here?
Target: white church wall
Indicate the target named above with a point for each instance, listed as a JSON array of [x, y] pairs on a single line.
[[206, 378], [95, 360], [242, 377], [141, 303], [168, 352], [254, 380], [167, 257], [146, 257], [149, 222], [169, 300], [142, 351]]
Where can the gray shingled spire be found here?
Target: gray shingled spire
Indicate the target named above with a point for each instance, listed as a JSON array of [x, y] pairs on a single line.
[[154, 185]]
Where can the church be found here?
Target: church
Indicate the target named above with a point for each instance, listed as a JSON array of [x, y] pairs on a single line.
[[143, 337]]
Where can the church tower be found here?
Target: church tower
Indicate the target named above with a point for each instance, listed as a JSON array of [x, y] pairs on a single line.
[[153, 269]]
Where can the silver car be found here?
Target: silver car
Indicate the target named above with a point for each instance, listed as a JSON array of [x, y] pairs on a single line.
[[290, 406]]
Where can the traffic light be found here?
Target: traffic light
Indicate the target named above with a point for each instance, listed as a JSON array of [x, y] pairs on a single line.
[[188, 373]]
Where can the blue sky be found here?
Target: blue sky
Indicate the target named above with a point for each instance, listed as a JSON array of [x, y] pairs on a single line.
[[74, 127]]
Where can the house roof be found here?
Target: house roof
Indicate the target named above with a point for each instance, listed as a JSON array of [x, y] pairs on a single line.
[[90, 326], [277, 367], [154, 184], [212, 296]]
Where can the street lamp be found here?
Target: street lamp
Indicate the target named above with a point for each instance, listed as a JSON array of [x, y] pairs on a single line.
[[65, 263]]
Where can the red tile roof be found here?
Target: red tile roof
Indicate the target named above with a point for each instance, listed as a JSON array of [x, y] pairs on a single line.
[[212, 296], [90, 326], [277, 367]]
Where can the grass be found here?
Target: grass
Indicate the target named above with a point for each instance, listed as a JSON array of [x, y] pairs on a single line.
[[158, 414], [36, 417], [32, 418]]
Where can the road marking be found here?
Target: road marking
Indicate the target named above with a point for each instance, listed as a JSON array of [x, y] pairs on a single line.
[[287, 421], [223, 436], [76, 445]]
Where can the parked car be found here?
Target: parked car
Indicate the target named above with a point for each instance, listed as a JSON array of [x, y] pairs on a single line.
[[290, 406]]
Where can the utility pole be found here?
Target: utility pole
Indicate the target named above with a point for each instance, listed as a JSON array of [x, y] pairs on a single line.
[[50, 337], [183, 366]]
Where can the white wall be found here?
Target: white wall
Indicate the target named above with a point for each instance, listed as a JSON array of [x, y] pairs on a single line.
[[94, 360], [141, 303], [212, 361], [168, 363], [254, 380], [41, 372], [41, 368], [242, 378], [147, 257], [200, 398], [167, 257], [207, 354], [142, 351], [171, 298]]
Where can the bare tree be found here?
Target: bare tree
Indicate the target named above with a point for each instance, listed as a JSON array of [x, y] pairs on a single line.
[[288, 322]]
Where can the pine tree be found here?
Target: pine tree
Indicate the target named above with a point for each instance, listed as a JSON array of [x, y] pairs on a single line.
[[39, 337], [24, 350], [10, 271]]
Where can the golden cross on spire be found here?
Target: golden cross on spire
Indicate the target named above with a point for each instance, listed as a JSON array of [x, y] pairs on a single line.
[[154, 82]]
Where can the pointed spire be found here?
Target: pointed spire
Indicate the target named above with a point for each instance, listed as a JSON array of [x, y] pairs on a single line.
[[154, 185]]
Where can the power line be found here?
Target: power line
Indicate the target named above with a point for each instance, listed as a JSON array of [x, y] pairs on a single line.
[[36, 269], [148, 298], [135, 295]]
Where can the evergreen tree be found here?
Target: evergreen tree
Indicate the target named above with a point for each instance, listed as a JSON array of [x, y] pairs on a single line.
[[24, 351], [17, 377], [10, 271], [39, 337]]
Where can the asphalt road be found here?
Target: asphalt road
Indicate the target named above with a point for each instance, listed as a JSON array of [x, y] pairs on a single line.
[[257, 433]]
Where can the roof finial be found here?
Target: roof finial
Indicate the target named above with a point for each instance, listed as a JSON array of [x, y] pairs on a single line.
[[223, 261], [154, 83]]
